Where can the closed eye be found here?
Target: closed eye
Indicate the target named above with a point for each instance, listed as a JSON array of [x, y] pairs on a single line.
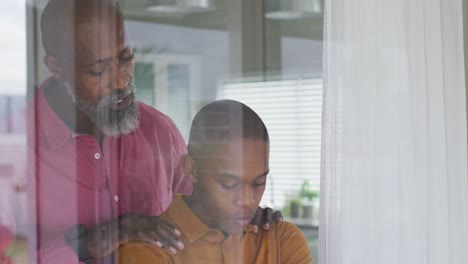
[[260, 183], [229, 185], [261, 180], [99, 71]]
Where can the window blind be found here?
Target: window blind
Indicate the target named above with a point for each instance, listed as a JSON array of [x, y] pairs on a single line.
[[292, 112]]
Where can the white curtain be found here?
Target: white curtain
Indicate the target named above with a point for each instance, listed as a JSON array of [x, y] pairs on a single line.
[[394, 167]]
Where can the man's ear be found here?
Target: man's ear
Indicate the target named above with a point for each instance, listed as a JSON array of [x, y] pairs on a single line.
[[190, 167], [53, 65]]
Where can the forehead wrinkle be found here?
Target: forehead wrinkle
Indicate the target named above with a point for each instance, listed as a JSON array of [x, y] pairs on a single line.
[[88, 10], [229, 175], [92, 42], [224, 150], [60, 19]]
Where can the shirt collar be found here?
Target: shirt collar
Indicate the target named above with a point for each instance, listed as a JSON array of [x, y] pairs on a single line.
[[55, 132], [195, 228]]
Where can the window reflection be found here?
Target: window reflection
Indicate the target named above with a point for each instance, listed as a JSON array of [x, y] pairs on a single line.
[[13, 174], [185, 56]]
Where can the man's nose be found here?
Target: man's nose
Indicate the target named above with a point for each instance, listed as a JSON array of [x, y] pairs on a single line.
[[245, 198], [119, 78]]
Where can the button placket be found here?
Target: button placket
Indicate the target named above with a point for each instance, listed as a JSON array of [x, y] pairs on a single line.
[[113, 190], [226, 249]]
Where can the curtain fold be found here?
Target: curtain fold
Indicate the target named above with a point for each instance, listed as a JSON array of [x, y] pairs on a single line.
[[394, 178]]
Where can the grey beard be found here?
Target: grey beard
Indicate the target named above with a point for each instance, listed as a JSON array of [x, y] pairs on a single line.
[[111, 122]]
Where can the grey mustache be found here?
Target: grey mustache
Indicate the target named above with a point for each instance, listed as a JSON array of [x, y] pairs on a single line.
[[119, 95]]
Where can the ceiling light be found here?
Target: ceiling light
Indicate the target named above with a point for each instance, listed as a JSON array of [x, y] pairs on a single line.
[[293, 9], [180, 6]]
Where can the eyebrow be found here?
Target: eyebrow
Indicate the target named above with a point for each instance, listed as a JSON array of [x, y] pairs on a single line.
[[228, 175], [124, 50], [107, 60]]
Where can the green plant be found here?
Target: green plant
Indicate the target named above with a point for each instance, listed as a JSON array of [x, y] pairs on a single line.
[[295, 202], [306, 193], [295, 208]]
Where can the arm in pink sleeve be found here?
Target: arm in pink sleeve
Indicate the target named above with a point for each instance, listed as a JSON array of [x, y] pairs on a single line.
[[181, 183]]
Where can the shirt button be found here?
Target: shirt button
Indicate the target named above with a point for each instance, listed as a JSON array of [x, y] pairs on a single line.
[[116, 198], [97, 155]]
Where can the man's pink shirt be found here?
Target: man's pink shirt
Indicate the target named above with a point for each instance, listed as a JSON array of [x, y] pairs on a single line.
[[77, 182]]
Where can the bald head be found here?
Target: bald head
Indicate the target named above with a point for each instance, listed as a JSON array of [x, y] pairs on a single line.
[[63, 20], [222, 122]]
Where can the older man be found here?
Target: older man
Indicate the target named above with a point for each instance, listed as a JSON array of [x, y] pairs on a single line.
[[105, 165], [99, 153]]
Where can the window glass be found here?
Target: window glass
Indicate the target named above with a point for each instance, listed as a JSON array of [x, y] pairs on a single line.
[[98, 148], [13, 175]]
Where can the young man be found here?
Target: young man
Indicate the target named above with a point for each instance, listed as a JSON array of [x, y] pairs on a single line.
[[104, 165], [228, 164]]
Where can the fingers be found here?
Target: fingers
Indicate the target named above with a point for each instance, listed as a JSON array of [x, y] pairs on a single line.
[[170, 228], [167, 238], [105, 238], [162, 237], [258, 219], [278, 217], [268, 218], [265, 218], [149, 238], [151, 229]]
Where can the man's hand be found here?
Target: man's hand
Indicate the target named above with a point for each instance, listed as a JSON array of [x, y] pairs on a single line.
[[265, 217], [106, 238]]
